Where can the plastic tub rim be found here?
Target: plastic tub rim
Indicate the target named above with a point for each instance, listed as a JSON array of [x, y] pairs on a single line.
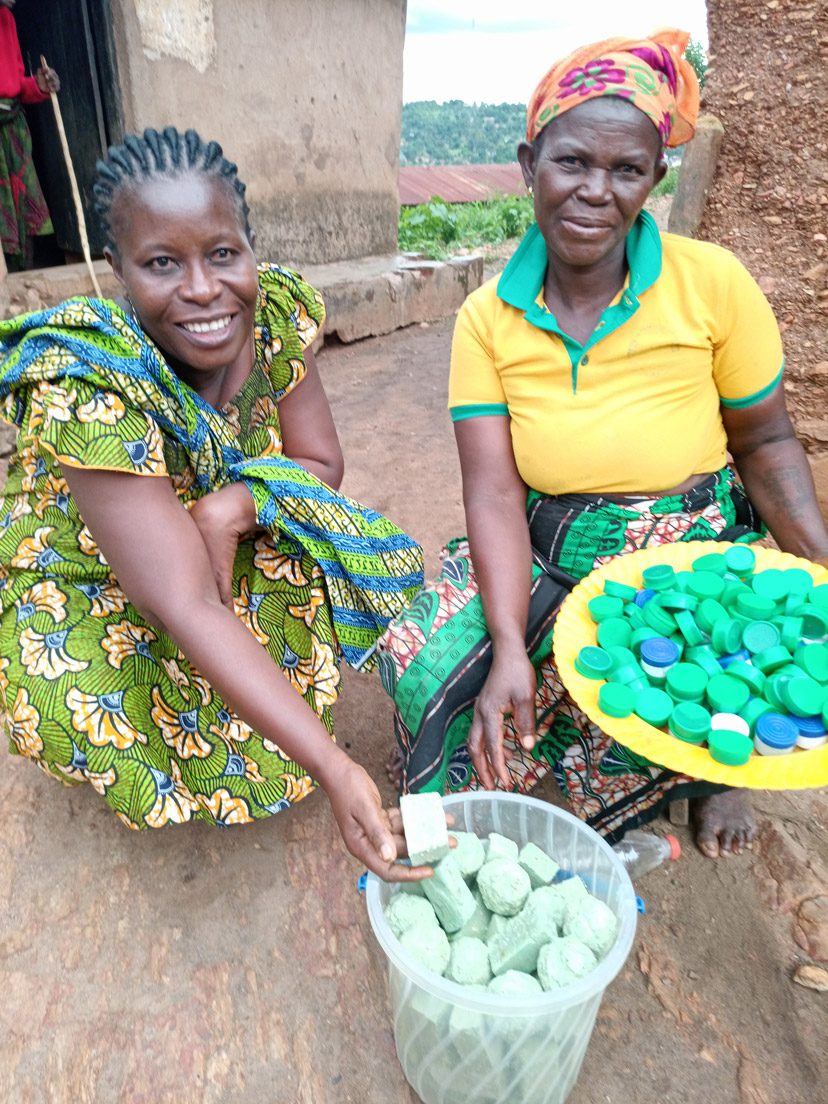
[[578, 992]]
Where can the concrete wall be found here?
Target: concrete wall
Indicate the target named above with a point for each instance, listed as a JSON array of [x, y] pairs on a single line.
[[305, 95]]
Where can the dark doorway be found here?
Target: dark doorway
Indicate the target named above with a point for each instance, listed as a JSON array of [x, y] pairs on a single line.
[[75, 37]]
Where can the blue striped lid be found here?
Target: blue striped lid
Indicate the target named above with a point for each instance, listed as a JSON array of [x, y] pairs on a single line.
[[643, 596], [776, 731], [658, 651], [810, 726]]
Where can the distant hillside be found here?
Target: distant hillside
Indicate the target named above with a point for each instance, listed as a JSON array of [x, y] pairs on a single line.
[[457, 133]]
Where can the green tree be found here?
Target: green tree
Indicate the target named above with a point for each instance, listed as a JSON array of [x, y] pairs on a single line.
[[698, 59]]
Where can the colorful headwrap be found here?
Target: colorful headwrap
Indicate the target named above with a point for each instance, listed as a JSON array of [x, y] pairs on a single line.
[[651, 73]]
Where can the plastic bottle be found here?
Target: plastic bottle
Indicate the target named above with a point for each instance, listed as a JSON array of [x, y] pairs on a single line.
[[641, 852]]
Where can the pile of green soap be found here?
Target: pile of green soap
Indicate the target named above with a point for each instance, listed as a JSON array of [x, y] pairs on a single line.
[[707, 653], [493, 916]]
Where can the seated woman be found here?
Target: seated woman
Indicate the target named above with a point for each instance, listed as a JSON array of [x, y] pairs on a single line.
[[596, 388], [177, 577]]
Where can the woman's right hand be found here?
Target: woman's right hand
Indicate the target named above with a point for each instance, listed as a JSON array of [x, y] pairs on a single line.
[[509, 688]]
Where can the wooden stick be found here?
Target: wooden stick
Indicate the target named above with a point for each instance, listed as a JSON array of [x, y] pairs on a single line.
[[73, 180]]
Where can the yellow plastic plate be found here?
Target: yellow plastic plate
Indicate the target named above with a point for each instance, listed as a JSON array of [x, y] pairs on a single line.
[[574, 628]]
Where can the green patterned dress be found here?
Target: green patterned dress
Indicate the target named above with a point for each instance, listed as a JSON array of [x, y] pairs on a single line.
[[90, 690]]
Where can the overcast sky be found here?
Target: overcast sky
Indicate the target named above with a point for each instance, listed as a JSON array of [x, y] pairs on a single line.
[[495, 51]]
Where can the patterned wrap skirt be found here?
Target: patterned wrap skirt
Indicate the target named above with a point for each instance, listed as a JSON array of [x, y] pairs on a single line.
[[23, 210], [435, 657]]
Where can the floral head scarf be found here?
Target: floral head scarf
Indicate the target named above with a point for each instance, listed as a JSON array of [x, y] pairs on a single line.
[[650, 73]]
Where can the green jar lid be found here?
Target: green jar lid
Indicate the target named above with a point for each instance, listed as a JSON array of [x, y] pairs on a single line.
[[688, 628], [713, 562], [658, 577], [815, 620], [758, 636], [704, 656], [755, 708], [772, 659], [681, 580], [726, 694], [614, 631], [732, 748], [740, 559], [605, 606], [799, 580], [726, 636], [754, 606], [705, 584], [686, 682], [733, 588], [690, 722], [771, 584], [803, 696], [813, 659], [659, 619], [751, 676], [616, 700], [640, 635], [790, 632], [621, 655], [593, 663], [709, 612], [773, 691], [794, 605], [654, 706], [634, 614], [819, 596], [677, 600], [620, 590]]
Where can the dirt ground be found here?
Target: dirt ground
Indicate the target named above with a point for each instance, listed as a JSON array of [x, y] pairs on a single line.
[[199, 966]]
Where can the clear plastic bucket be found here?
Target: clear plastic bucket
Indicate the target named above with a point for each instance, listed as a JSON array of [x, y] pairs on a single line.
[[461, 1046]]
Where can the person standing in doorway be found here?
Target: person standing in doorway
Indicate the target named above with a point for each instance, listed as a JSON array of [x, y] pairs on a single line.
[[23, 211]]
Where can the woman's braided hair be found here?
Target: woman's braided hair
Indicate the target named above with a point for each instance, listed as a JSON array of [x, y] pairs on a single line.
[[166, 154]]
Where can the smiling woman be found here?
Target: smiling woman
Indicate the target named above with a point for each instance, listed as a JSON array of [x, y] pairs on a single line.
[[178, 575]]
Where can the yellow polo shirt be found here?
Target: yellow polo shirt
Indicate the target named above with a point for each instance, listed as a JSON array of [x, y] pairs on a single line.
[[637, 407]]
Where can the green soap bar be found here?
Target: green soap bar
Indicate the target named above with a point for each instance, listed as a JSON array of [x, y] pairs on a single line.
[[616, 700], [537, 864], [772, 659], [619, 590], [709, 612], [758, 636], [424, 825], [813, 659], [496, 925], [562, 961], [469, 962], [593, 663], [639, 636], [614, 631], [405, 911], [732, 748], [605, 606], [452, 899], [755, 709], [755, 606], [790, 631], [659, 619], [690, 722], [686, 682], [504, 886], [677, 600], [771, 584], [705, 584], [688, 627], [477, 925], [726, 636], [803, 696], [740, 559], [704, 656], [747, 673], [658, 577], [819, 596], [713, 562], [515, 983], [727, 694], [469, 854], [573, 893], [654, 706], [595, 924], [501, 847], [516, 945], [429, 945], [815, 620]]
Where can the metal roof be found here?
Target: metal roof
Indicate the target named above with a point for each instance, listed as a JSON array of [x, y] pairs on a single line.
[[459, 183]]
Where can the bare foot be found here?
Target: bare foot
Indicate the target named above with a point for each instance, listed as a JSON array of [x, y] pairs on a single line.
[[394, 766], [724, 823]]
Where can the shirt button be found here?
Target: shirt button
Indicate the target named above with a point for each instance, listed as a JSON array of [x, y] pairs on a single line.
[[584, 360]]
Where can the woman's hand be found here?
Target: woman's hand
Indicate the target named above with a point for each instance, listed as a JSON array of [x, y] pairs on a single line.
[[47, 79], [224, 518], [372, 834], [510, 688]]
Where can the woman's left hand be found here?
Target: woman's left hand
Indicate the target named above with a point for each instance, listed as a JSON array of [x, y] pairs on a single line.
[[47, 79], [224, 518]]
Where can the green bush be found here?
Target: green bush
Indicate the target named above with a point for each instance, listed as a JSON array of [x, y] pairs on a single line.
[[668, 185], [437, 228]]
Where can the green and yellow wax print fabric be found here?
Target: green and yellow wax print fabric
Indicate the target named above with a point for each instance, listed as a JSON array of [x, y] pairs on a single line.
[[90, 690]]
